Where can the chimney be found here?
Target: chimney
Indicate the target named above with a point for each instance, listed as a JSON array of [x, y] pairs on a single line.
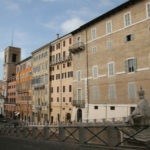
[[57, 36]]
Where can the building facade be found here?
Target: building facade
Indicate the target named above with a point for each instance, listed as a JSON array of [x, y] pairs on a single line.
[[24, 89], [111, 61], [10, 104], [40, 85], [61, 77], [12, 56], [2, 105]]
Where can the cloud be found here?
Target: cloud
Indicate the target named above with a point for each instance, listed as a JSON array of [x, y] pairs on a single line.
[[53, 25], [10, 5], [71, 24], [82, 12]]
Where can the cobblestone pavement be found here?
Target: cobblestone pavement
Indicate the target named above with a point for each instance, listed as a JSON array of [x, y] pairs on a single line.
[[9, 143]]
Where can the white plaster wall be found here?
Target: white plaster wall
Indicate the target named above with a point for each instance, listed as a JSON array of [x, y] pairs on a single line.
[[104, 112]]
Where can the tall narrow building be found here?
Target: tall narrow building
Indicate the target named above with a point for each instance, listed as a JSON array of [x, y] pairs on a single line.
[[12, 56], [61, 78]]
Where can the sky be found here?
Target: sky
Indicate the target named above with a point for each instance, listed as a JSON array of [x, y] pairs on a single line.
[[34, 23]]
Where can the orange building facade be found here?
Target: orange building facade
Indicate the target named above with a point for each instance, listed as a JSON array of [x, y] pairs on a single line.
[[24, 90], [10, 104]]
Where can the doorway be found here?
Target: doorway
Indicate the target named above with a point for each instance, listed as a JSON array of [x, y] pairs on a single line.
[[79, 115]]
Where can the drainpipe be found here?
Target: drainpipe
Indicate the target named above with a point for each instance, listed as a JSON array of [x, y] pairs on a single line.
[[86, 48]]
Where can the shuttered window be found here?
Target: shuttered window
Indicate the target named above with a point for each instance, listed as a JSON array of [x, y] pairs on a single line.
[[95, 93], [111, 92], [148, 10], [130, 65], [127, 18], [78, 76], [79, 94], [93, 32], [111, 69], [131, 90], [109, 44], [108, 27], [95, 71]]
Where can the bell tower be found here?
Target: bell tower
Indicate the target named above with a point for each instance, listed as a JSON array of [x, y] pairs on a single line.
[[12, 56]]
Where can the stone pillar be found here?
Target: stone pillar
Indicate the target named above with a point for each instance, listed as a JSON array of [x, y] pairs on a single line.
[[18, 131], [34, 132], [61, 134], [113, 136], [82, 135], [46, 133]]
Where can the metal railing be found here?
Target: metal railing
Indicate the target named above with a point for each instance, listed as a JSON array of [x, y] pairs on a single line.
[[78, 103], [106, 136], [77, 47]]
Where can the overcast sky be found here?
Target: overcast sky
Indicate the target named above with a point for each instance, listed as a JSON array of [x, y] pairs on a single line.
[[36, 22]]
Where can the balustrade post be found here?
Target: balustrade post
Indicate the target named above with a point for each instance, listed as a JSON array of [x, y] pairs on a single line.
[[82, 135], [61, 134], [113, 136], [46, 133]]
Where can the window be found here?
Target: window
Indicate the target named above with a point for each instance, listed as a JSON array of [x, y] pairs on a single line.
[[57, 89], [111, 92], [130, 65], [63, 75], [70, 41], [95, 71], [58, 57], [51, 77], [112, 107], [64, 43], [148, 10], [94, 49], [93, 32], [51, 89], [111, 69], [95, 107], [57, 99], [70, 88], [64, 55], [14, 57], [57, 76], [63, 65], [70, 74], [79, 94], [57, 67], [127, 18], [129, 37], [108, 27], [68, 64], [70, 99], [78, 75], [64, 99], [51, 99], [63, 88], [58, 46], [109, 44], [131, 90], [95, 93], [52, 48]]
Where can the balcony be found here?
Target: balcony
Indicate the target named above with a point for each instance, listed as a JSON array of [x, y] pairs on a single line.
[[39, 86], [79, 103], [37, 107], [77, 47], [61, 60]]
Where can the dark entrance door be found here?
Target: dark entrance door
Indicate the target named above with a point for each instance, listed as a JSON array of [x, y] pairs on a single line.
[[79, 115], [68, 117]]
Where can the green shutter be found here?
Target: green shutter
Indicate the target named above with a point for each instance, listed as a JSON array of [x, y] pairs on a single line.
[[135, 64], [126, 66]]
